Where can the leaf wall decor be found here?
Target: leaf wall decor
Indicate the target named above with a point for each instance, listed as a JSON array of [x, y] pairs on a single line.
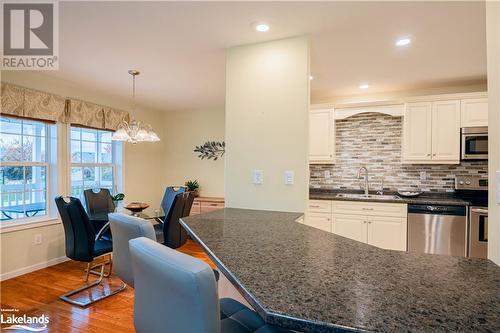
[[211, 150]]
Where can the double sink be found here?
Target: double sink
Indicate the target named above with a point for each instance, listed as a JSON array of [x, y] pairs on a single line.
[[367, 196]]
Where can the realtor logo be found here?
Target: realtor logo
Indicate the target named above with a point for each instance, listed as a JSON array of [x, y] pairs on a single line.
[[30, 35]]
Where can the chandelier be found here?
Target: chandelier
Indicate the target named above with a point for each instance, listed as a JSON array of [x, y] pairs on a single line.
[[135, 131]]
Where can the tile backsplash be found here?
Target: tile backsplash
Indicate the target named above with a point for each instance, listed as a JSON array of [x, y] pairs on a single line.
[[374, 140]]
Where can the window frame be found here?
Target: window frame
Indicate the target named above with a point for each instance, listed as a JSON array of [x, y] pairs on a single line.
[[115, 163], [21, 222]]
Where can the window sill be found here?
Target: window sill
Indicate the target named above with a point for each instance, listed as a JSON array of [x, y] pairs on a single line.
[[7, 226]]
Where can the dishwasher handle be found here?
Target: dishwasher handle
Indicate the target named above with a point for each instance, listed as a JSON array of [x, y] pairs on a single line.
[[437, 210]]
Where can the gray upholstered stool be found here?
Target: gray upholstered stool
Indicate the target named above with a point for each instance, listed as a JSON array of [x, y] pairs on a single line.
[[175, 292]]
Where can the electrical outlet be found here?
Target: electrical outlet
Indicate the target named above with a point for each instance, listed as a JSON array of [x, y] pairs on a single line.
[[37, 240], [327, 174], [289, 177], [423, 175], [258, 177]]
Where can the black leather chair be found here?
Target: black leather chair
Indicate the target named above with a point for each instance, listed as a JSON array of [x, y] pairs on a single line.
[[168, 199], [85, 245], [170, 232], [99, 205]]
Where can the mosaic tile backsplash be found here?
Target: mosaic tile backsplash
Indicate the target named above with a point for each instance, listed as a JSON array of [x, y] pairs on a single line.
[[374, 140]]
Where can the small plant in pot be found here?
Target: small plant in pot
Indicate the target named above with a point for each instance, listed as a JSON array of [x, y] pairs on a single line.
[[193, 186], [117, 198]]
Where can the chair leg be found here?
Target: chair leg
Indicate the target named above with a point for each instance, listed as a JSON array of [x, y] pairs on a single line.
[[67, 296], [90, 269]]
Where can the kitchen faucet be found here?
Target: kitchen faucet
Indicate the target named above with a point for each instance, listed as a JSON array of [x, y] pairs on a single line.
[[367, 187]]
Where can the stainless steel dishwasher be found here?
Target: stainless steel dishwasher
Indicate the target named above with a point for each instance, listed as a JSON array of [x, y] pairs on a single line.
[[437, 229]]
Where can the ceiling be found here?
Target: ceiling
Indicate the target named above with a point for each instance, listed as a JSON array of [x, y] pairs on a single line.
[[179, 46]]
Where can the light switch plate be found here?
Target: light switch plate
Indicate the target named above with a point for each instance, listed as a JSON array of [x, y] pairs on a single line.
[[289, 177], [327, 174], [258, 177], [423, 175]]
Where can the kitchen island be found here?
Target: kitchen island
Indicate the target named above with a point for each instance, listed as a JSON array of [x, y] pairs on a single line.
[[309, 280]]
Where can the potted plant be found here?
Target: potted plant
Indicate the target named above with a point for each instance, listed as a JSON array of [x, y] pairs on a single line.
[[193, 186], [117, 198]]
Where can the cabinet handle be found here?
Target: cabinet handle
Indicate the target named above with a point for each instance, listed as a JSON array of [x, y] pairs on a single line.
[[433, 154], [369, 222], [314, 206], [367, 208], [213, 204], [428, 154]]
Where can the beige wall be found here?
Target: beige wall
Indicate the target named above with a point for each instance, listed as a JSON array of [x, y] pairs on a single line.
[[267, 98], [493, 45], [185, 130], [143, 170]]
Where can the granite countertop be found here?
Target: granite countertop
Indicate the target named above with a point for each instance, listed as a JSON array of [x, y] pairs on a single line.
[[310, 280], [426, 198]]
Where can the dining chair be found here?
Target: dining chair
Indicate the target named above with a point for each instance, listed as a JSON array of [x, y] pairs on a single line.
[[99, 204], [83, 244], [170, 232], [175, 292], [168, 199], [124, 228]]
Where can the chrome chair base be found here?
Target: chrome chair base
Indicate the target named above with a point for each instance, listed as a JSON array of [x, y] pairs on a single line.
[[90, 270]]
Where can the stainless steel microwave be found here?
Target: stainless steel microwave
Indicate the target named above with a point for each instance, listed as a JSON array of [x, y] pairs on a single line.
[[475, 143]]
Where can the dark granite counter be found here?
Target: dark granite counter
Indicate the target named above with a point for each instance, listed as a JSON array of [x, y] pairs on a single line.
[[428, 198], [314, 281]]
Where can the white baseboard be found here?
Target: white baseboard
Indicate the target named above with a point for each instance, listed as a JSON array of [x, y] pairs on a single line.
[[32, 268]]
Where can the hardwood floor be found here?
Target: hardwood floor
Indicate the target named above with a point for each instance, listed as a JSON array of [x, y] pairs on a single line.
[[38, 293]]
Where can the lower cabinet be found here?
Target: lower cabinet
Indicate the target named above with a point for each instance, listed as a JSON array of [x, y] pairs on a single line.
[[378, 224], [350, 226], [321, 221], [387, 232]]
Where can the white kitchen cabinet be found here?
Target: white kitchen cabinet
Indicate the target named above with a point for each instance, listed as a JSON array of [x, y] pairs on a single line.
[[474, 112], [387, 232], [417, 132], [350, 226], [446, 131], [431, 132], [322, 221], [321, 136]]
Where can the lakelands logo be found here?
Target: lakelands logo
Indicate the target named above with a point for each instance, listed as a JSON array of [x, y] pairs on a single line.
[[30, 35], [24, 322]]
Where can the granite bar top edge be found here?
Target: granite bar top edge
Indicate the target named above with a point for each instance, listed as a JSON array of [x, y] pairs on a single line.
[[271, 317], [402, 276], [426, 198]]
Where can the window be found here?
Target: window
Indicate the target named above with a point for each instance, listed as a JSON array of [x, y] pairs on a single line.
[[24, 156], [95, 161]]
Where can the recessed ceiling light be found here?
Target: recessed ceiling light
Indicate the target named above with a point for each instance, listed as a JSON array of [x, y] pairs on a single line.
[[364, 86], [403, 41], [262, 27], [311, 77]]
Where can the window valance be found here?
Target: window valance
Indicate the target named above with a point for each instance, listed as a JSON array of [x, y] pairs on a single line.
[[27, 103], [114, 117], [85, 113]]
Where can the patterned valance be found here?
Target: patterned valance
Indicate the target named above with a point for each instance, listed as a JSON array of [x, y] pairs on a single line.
[[43, 106], [27, 103], [12, 100], [85, 114], [113, 118]]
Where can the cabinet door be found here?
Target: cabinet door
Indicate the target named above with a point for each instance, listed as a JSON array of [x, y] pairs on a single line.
[[474, 112], [321, 136], [417, 131], [446, 131], [321, 221], [387, 232], [350, 226]]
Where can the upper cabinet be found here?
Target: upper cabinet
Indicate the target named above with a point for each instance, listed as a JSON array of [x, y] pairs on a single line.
[[321, 136], [474, 112], [431, 132]]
